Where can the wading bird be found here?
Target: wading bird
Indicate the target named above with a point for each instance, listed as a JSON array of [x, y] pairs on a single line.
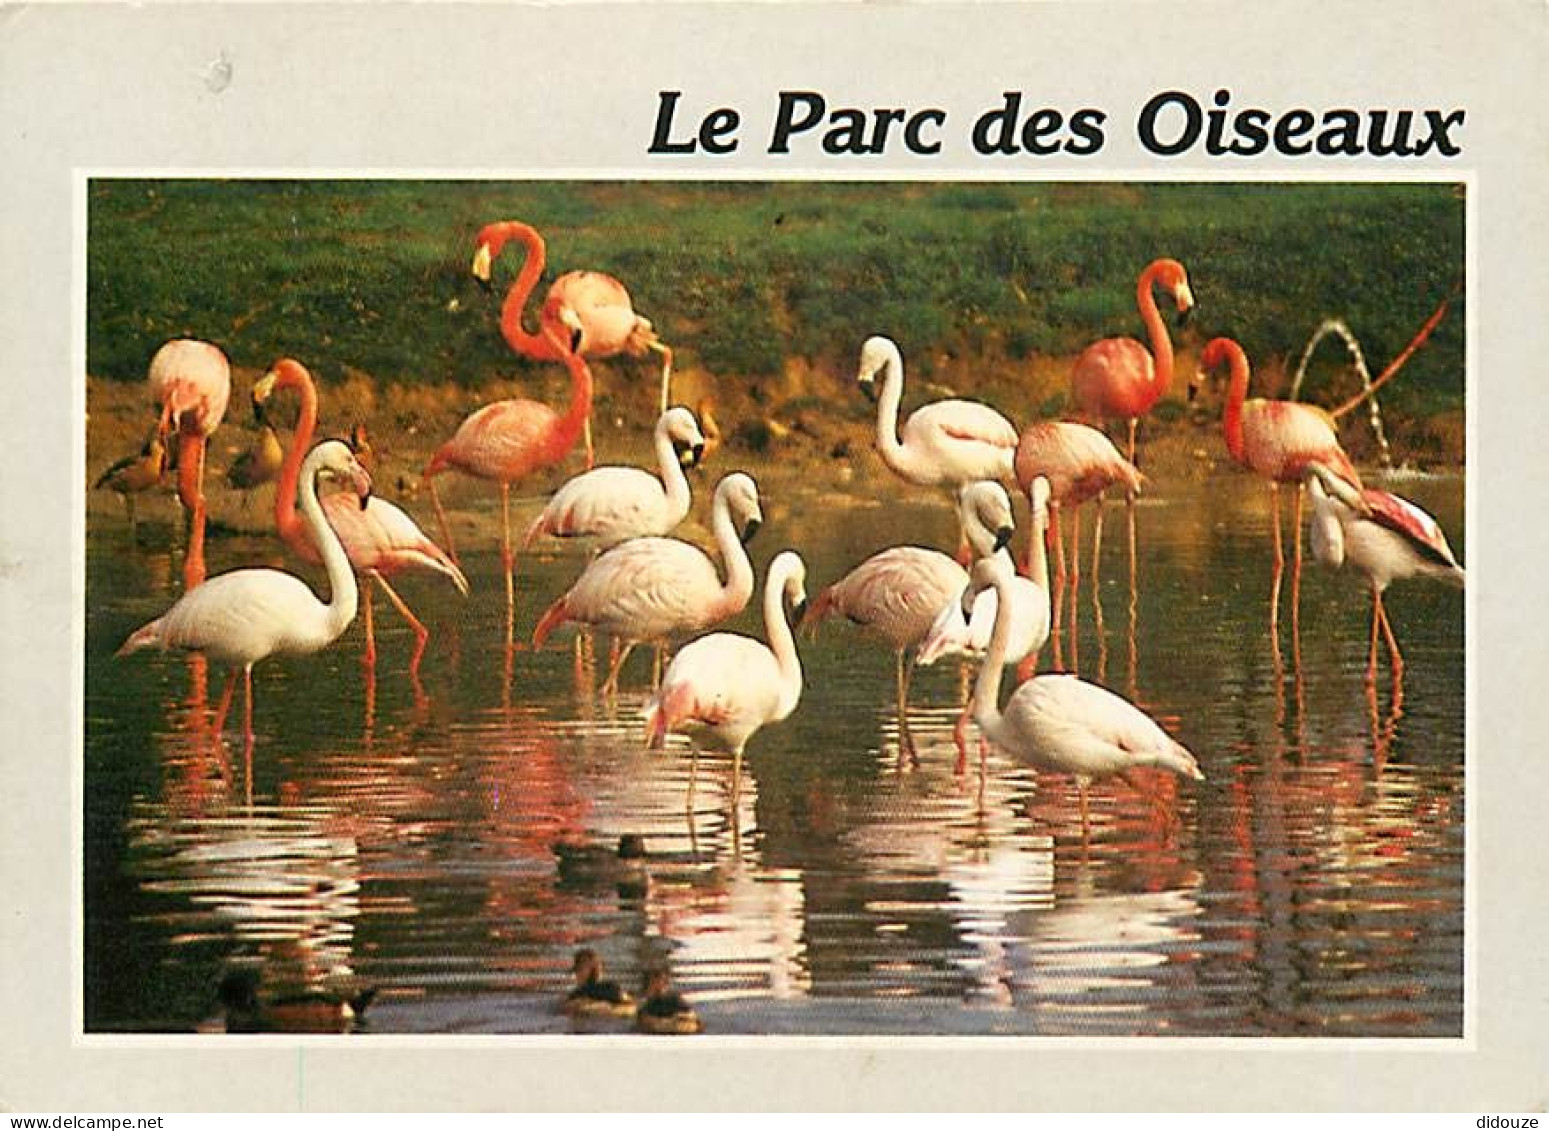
[[505, 442], [1385, 537], [192, 382], [380, 539], [262, 462], [588, 310], [1119, 378], [723, 688], [652, 590], [247, 615], [1060, 723], [1275, 439]]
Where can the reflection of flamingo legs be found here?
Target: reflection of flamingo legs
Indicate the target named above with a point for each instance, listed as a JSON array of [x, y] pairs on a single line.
[[1274, 588], [1134, 609], [905, 736]]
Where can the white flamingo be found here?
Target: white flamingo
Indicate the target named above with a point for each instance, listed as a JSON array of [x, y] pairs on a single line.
[[984, 509], [247, 615], [1384, 536], [896, 593], [657, 589], [612, 504], [723, 688], [1060, 723]]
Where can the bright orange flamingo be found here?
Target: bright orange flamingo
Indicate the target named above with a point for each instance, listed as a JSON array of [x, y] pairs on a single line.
[[1119, 377], [1278, 440], [506, 442], [586, 309], [380, 539], [192, 380], [1080, 463]]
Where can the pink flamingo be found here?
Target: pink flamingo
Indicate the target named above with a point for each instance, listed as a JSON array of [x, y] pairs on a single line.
[[656, 589], [192, 380], [723, 688], [380, 539], [1276, 439], [507, 441], [1060, 723], [1119, 377], [612, 504], [1384, 536], [247, 615], [1080, 463], [587, 309], [896, 593]]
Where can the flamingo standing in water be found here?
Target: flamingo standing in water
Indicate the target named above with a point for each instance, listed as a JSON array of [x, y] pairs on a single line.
[[612, 504], [247, 615], [1060, 723], [1384, 536], [723, 688], [984, 509], [1276, 439], [897, 593], [1080, 463], [380, 539], [507, 441], [655, 589], [944, 444], [1118, 378], [192, 380], [589, 310]]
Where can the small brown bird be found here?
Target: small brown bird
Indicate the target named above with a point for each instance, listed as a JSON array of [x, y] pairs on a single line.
[[258, 465], [306, 1011], [134, 474], [665, 1011], [592, 995]]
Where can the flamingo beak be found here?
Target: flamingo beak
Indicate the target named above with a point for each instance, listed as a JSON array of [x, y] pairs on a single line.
[[869, 387], [1003, 537], [966, 605], [1185, 300], [1185, 313], [799, 611], [692, 455], [481, 267], [750, 529]]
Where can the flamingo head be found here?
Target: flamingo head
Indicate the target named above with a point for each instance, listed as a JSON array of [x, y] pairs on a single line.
[[561, 325], [332, 459], [739, 495], [679, 425], [1169, 273], [1216, 352], [488, 246], [986, 505], [877, 354], [794, 590]]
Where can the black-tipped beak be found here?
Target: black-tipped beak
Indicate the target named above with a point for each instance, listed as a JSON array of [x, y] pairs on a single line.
[[485, 285], [1003, 537], [1193, 391], [259, 413], [575, 340], [1184, 316], [750, 529], [966, 605], [799, 611], [698, 451], [365, 499], [870, 389]]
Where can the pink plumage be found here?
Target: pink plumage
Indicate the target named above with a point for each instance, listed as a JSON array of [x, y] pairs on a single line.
[[192, 382]]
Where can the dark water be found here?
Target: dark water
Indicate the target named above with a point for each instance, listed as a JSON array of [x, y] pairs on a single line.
[[403, 837]]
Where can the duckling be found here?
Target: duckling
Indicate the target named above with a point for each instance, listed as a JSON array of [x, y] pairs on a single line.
[[590, 865], [664, 1010], [360, 443], [305, 1011], [592, 996], [258, 465], [136, 473]]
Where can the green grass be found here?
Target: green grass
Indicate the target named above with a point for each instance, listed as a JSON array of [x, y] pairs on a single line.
[[373, 275]]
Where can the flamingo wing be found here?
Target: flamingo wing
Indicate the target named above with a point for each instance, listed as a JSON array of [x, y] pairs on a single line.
[[723, 681], [243, 616], [385, 539], [611, 503], [1417, 527], [646, 589], [503, 441], [966, 440], [1114, 378], [899, 591], [1078, 460], [1280, 438], [1077, 727]]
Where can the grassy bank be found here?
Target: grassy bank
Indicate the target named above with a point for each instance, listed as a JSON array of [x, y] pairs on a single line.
[[767, 289]]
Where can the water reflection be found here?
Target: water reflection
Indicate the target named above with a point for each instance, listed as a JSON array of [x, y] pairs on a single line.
[[410, 833]]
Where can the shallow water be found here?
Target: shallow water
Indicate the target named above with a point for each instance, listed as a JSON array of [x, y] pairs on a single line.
[[402, 836]]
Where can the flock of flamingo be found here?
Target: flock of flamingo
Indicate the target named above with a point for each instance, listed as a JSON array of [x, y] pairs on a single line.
[[645, 587]]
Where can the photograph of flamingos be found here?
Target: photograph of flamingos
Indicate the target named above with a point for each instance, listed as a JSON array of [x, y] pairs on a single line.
[[775, 608]]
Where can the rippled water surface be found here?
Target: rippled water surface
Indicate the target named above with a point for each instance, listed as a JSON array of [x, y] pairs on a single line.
[[403, 836]]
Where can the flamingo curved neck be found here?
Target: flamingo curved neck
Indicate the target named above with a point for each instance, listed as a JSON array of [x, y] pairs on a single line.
[[536, 346], [289, 523], [986, 700], [568, 430], [1236, 395], [343, 594], [778, 630], [674, 482], [893, 453], [739, 570], [1156, 331]]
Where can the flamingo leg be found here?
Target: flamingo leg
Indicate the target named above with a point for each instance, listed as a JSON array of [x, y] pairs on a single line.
[[1134, 604], [1371, 651], [610, 685], [191, 492], [1134, 424], [446, 530], [1296, 570], [905, 737], [247, 718], [1075, 587], [1394, 656], [960, 730], [421, 633], [507, 562], [368, 616], [1274, 589], [1086, 823], [223, 706]]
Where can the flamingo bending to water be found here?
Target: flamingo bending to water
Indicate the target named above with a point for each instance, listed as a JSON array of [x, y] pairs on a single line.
[[1278, 440], [897, 593], [192, 381], [612, 504], [247, 615], [1118, 378], [506, 442], [657, 589], [1384, 536], [589, 310], [379, 538], [984, 509], [1061, 723], [723, 688]]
